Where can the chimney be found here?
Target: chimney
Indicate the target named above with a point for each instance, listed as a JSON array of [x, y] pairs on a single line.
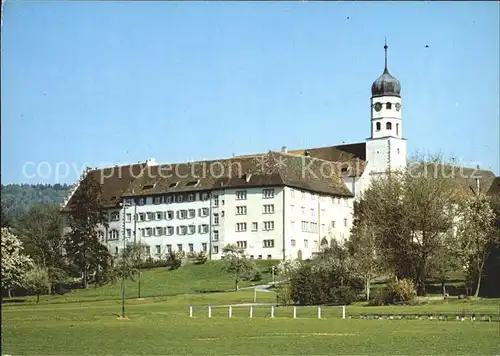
[[283, 149]]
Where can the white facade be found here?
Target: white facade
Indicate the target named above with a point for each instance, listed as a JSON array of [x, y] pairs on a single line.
[[268, 222]]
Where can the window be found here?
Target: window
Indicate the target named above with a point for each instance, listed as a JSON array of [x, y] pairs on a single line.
[[216, 201], [313, 197], [179, 247], [292, 208], [148, 250], [397, 129], [181, 230], [158, 249], [293, 242], [306, 243], [216, 219], [170, 230], [251, 257], [268, 193], [151, 216], [303, 195], [268, 225], [129, 217], [191, 247], [101, 235], [141, 201], [304, 226], [192, 213], [204, 196], [313, 227], [222, 214], [203, 212], [215, 250], [173, 185], [303, 210], [312, 211], [157, 200], [204, 246], [115, 216], [241, 195], [345, 222], [159, 231], [388, 106], [338, 200], [180, 199], [168, 199], [203, 229], [269, 257], [116, 250], [260, 257], [241, 210], [323, 228], [113, 235], [269, 209], [241, 244], [268, 243], [170, 214], [190, 196], [255, 226], [388, 126], [322, 212], [181, 214], [292, 225], [240, 227], [292, 193], [216, 235], [159, 215], [333, 224], [191, 229], [169, 248], [378, 126]]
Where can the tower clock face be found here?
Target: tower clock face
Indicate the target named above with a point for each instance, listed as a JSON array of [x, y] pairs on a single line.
[[398, 106], [378, 106]]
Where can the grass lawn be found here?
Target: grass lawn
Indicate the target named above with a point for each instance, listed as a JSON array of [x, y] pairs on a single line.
[[162, 326], [161, 282]]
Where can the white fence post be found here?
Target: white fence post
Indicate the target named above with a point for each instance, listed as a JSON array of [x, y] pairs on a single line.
[[319, 312], [343, 311], [251, 311], [190, 311], [209, 311], [272, 311], [294, 312], [230, 311]]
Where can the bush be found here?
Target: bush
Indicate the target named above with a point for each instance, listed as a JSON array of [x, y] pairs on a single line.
[[200, 258], [174, 260], [401, 291], [150, 263], [380, 298]]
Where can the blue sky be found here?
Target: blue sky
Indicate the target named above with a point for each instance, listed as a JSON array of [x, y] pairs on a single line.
[[104, 83]]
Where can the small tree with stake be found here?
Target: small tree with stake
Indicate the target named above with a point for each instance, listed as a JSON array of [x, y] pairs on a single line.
[[37, 281], [237, 263]]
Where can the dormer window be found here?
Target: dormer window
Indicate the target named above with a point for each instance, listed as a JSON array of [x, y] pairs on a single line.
[[173, 185], [388, 106], [148, 186], [192, 183]]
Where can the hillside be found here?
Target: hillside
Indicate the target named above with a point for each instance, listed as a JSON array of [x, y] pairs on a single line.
[[160, 282], [18, 198]]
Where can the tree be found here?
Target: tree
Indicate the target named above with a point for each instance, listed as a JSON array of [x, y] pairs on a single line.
[[14, 263], [37, 281], [4, 219], [82, 244], [129, 261], [364, 248], [410, 212], [236, 262], [40, 230], [476, 232]]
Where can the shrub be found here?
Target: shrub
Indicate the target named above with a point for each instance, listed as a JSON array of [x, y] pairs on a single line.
[[379, 298], [401, 291], [150, 263], [200, 258], [174, 260]]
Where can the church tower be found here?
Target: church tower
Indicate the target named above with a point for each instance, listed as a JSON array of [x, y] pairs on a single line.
[[386, 147]]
